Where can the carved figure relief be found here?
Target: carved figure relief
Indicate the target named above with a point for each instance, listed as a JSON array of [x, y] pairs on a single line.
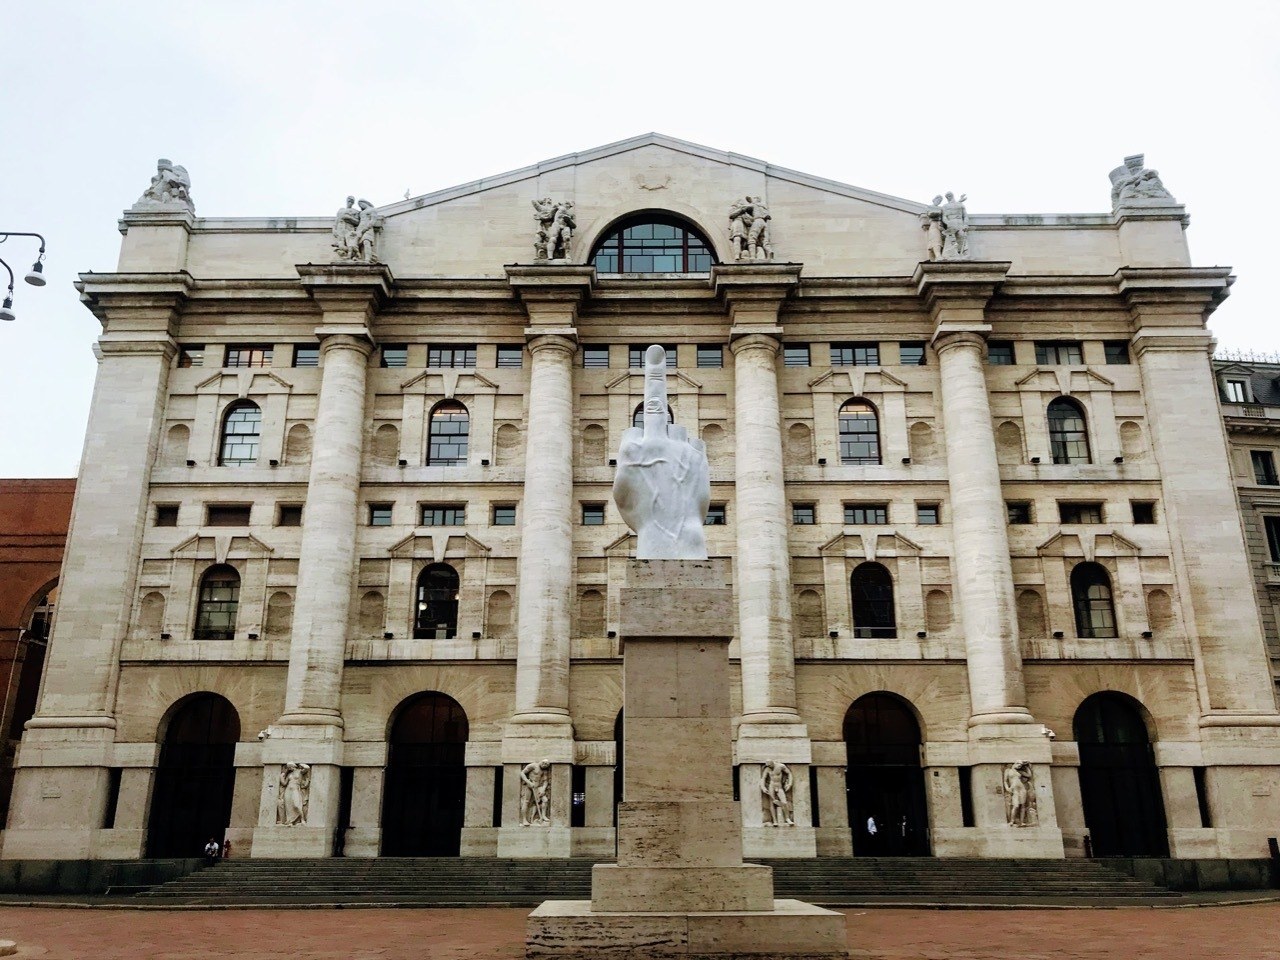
[[171, 186], [556, 224], [1020, 795], [775, 784], [535, 793], [663, 485], [355, 232], [749, 230], [1133, 181], [294, 796]]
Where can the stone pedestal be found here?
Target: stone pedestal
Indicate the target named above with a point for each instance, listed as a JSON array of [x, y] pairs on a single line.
[[679, 887]]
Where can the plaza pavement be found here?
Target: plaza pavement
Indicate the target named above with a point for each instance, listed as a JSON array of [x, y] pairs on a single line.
[[1242, 932]]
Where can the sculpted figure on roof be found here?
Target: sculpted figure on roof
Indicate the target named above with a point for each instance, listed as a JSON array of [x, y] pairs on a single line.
[[171, 186], [749, 232], [555, 228]]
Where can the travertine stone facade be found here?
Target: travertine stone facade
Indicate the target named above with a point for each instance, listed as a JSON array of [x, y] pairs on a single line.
[[957, 488]]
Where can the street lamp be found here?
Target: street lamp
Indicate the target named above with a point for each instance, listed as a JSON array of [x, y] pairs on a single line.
[[35, 276]]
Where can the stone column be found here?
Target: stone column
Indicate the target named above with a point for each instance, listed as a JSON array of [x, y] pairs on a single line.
[[1001, 728], [61, 775], [770, 728], [541, 728], [310, 729], [1239, 726]]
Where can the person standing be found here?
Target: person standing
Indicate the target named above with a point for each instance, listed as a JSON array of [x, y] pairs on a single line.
[[211, 851]]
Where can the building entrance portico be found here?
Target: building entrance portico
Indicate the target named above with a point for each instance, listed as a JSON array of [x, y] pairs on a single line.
[[424, 793], [884, 781]]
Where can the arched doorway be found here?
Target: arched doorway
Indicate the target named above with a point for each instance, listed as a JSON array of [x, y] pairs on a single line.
[[884, 781], [191, 800], [1119, 781], [425, 789]]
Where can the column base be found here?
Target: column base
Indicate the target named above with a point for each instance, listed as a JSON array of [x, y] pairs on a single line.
[[788, 930]]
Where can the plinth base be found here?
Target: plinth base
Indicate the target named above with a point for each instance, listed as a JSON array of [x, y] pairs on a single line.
[[792, 930]]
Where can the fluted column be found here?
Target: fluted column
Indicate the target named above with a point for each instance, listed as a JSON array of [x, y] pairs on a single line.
[[327, 562], [545, 572], [764, 558]]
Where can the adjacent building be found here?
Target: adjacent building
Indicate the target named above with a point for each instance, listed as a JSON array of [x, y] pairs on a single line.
[[344, 533]]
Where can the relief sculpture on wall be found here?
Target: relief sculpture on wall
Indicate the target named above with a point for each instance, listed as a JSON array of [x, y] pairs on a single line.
[[535, 793], [775, 785], [1020, 795], [294, 796]]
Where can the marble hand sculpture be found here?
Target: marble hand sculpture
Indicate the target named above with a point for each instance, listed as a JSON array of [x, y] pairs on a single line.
[[663, 486]]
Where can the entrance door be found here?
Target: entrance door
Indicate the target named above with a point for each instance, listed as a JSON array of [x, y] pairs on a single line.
[[425, 789], [884, 781], [1119, 781], [191, 800]]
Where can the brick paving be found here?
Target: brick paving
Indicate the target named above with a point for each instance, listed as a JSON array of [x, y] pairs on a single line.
[[1206, 933]]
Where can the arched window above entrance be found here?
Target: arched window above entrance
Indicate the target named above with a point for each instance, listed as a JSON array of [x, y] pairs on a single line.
[[653, 243], [872, 590], [218, 604], [1092, 601], [449, 434], [241, 431], [436, 608], [882, 728], [859, 433]]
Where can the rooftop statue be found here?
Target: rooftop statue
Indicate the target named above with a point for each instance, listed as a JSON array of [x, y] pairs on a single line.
[[749, 232], [171, 186], [355, 232], [663, 485], [1133, 181], [555, 228]]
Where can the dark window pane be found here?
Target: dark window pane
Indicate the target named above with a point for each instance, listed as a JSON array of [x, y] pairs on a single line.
[[1272, 525], [653, 244], [1000, 353], [289, 515], [1068, 433], [873, 613], [864, 513], [795, 355], [227, 515], [710, 356], [166, 515], [444, 514], [191, 355], [504, 516], [1058, 352], [927, 514], [592, 514], [1019, 511], [855, 354], [1117, 351], [510, 356], [802, 514], [715, 515], [395, 356], [1091, 598], [305, 355], [452, 356], [248, 355], [859, 433], [218, 603], [1264, 468], [450, 432], [1080, 512], [379, 514], [1144, 511], [911, 354], [635, 355], [436, 608]]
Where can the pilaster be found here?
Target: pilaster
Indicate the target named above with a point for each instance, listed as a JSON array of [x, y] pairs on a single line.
[[63, 759]]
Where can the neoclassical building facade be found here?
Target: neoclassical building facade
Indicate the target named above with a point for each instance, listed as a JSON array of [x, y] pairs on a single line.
[[343, 558]]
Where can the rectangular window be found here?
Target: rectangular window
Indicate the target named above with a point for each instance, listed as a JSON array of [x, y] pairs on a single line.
[[927, 514], [795, 354], [226, 515], [866, 513], [578, 796], [191, 355], [1144, 511], [1272, 526], [710, 356], [635, 355], [444, 514], [453, 355], [593, 514], [1058, 352], [166, 515], [1080, 512], [715, 515], [306, 355], [1264, 468], [1236, 392], [379, 514], [1117, 351], [1000, 353], [394, 355], [289, 515], [911, 354], [248, 355], [802, 514], [504, 515], [510, 357], [855, 354], [596, 357], [1019, 511]]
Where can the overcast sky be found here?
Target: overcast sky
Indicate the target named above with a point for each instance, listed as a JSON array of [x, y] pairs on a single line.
[[283, 108]]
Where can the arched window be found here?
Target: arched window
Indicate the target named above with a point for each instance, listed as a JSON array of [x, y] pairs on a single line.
[[637, 418], [1068, 432], [653, 243], [872, 589], [241, 430], [859, 433], [436, 613], [1091, 598], [450, 429], [219, 600]]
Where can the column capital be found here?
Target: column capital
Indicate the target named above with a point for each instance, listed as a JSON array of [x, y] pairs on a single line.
[[350, 292], [564, 340], [754, 293], [948, 337], [551, 293], [958, 286], [741, 341], [345, 337]]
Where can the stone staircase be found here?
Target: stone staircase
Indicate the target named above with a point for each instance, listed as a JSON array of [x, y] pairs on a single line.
[[480, 882]]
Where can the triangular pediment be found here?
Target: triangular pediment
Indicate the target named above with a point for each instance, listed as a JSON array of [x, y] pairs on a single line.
[[857, 381], [221, 547], [869, 546], [1089, 545], [449, 383], [242, 383], [438, 546], [626, 382]]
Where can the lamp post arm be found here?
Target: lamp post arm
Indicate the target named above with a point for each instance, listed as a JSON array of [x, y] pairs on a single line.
[[6, 234], [6, 266]]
